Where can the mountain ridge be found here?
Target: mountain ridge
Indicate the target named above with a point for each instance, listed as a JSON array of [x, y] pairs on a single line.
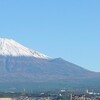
[[40, 69]]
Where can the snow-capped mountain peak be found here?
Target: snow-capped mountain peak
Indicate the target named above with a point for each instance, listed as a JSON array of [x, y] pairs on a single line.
[[9, 47]]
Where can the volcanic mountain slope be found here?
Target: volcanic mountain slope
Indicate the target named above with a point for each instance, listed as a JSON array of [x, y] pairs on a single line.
[[19, 64], [9, 47]]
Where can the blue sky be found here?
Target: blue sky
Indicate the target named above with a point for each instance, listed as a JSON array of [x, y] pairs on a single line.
[[59, 28]]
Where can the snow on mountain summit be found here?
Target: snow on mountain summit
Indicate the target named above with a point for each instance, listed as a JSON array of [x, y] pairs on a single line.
[[9, 47]]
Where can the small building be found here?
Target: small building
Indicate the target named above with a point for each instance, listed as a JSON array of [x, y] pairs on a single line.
[[6, 99]]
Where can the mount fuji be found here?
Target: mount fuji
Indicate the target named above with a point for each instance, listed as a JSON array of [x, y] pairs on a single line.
[[9, 47], [23, 68]]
